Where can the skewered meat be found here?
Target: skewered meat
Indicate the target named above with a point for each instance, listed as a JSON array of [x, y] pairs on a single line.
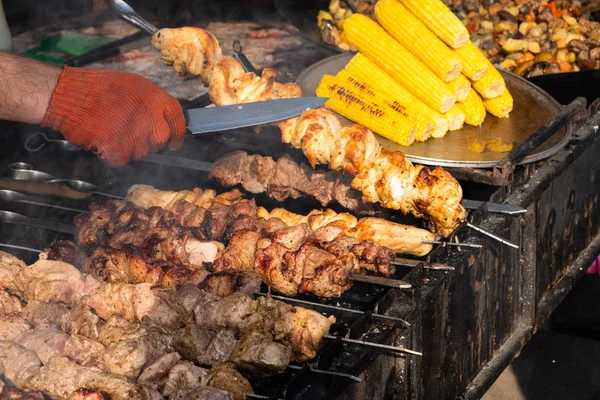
[[258, 354], [12, 327], [182, 377], [284, 179], [225, 284], [19, 365], [189, 49], [125, 266], [298, 328], [268, 249], [9, 305], [400, 238], [13, 393], [225, 377], [86, 394]]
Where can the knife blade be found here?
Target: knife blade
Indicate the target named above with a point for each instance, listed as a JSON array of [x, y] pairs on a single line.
[[214, 119], [495, 208]]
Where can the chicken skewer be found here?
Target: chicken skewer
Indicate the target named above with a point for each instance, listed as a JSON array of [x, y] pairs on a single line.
[[382, 177]]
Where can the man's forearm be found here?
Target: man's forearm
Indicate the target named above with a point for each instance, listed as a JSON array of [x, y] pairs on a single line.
[[26, 87]]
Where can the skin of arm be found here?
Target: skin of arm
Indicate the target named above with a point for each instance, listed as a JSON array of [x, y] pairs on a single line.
[[26, 87]]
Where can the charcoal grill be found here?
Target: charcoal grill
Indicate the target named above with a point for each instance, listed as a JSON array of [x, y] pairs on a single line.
[[468, 323]]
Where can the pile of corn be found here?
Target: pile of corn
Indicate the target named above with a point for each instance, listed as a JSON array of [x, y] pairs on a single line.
[[417, 74], [536, 37]]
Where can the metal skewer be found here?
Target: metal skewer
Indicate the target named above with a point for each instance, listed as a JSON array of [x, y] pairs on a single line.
[[407, 262], [128, 14], [497, 238], [24, 172], [445, 243], [325, 372], [375, 345], [381, 281], [17, 197], [14, 246], [336, 308]]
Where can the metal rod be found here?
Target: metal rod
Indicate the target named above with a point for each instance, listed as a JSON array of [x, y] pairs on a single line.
[[381, 281], [445, 243], [325, 372], [14, 246], [407, 262], [336, 308], [498, 238], [375, 345]]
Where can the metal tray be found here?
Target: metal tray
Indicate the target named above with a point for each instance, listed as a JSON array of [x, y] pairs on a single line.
[[533, 108]]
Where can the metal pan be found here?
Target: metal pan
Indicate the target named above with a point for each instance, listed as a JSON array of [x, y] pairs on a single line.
[[533, 108]]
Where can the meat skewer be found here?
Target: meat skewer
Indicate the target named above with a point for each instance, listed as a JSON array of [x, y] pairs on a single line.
[[267, 248], [399, 238], [382, 177]]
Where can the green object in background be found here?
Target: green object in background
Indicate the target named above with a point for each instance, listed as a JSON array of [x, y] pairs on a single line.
[[57, 50]]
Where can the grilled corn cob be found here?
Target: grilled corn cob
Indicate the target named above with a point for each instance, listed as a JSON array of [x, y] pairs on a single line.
[[456, 118], [437, 17], [460, 86], [474, 62], [473, 109], [418, 39], [378, 118], [499, 106], [491, 84], [366, 70], [374, 42], [423, 125]]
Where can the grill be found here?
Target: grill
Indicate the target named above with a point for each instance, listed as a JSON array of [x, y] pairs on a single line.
[[468, 310]]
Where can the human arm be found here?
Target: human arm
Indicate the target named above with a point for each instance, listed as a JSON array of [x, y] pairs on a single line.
[[119, 116], [26, 87]]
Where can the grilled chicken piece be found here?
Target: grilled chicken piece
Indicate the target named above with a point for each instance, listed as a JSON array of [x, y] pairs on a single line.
[[50, 342], [225, 377], [189, 50], [86, 394], [19, 365], [10, 267], [13, 393], [9, 305], [61, 377], [13, 327]]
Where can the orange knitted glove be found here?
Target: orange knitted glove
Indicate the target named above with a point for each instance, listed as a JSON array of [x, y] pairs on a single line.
[[117, 115]]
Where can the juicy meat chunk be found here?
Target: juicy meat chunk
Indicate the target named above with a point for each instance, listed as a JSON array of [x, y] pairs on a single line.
[[13, 393], [159, 369], [240, 253], [225, 377], [215, 221], [86, 394], [13, 327], [19, 365], [42, 314], [182, 377], [9, 305], [257, 354], [10, 267], [65, 250], [200, 393]]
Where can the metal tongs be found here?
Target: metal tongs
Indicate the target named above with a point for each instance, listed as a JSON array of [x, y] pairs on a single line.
[[128, 14]]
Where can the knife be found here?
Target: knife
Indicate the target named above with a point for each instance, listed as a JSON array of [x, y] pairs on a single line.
[[214, 119]]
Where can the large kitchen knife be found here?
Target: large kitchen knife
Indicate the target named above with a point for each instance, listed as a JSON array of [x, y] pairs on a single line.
[[214, 119]]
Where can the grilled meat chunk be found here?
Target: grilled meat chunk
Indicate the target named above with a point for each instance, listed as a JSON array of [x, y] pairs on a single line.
[[13, 327], [9, 305], [19, 365], [225, 377], [257, 354]]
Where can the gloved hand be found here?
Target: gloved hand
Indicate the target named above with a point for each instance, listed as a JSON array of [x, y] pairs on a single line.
[[117, 115]]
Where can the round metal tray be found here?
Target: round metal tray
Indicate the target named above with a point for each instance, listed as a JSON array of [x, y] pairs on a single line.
[[532, 109]]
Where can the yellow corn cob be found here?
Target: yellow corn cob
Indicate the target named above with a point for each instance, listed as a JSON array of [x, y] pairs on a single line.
[[474, 62], [499, 106], [423, 125], [366, 70], [473, 108], [437, 17], [491, 84], [376, 117], [456, 118], [374, 42], [418, 39], [460, 86]]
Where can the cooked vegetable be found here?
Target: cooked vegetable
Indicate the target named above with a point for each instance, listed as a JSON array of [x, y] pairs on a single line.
[[377, 117], [410, 32], [474, 63], [423, 125], [374, 42], [456, 118], [473, 108], [499, 106], [491, 84], [364, 69], [435, 15], [460, 86]]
